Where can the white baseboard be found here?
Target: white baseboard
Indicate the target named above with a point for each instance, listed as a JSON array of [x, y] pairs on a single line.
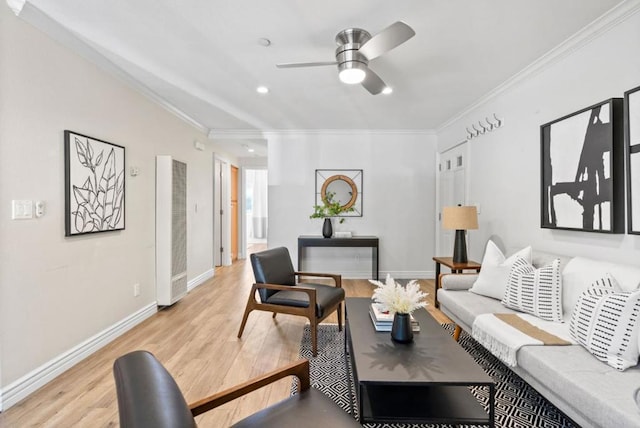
[[429, 274], [21, 388], [200, 279], [418, 274]]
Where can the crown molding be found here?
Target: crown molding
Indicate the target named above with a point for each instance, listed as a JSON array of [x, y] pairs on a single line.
[[16, 6], [52, 28], [583, 37], [246, 134]]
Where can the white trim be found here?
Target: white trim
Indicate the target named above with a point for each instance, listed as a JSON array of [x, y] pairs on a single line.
[[16, 6], [418, 274], [243, 134], [312, 132], [601, 25], [198, 280], [37, 378], [34, 16], [408, 274]]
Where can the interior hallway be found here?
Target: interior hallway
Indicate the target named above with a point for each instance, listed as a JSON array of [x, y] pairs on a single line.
[[196, 340]]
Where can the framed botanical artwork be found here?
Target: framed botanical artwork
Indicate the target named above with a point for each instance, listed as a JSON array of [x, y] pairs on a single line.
[[632, 139], [343, 186], [94, 185], [582, 173]]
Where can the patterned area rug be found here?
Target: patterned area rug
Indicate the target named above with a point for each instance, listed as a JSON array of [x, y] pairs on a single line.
[[517, 404]]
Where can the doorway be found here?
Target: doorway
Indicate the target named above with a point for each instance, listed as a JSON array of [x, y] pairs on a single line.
[[452, 190], [256, 208], [221, 212], [234, 213]]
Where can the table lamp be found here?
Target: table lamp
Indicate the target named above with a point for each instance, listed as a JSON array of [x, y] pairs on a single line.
[[460, 219]]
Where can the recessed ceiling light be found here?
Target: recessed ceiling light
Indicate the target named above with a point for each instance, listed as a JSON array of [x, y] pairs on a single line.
[[262, 90], [263, 41], [250, 150], [387, 90]]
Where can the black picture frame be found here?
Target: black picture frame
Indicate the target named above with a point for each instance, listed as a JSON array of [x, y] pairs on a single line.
[[582, 170], [632, 144], [94, 185]]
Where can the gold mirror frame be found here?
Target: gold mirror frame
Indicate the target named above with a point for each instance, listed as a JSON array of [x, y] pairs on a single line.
[[341, 181], [349, 181]]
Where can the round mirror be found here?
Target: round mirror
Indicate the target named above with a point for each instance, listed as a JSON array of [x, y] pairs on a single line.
[[343, 188]]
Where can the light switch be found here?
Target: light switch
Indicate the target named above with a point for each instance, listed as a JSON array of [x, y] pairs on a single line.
[[21, 209]]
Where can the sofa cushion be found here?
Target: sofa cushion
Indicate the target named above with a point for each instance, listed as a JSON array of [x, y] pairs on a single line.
[[606, 323], [535, 291], [602, 395], [467, 306], [581, 272], [494, 274]]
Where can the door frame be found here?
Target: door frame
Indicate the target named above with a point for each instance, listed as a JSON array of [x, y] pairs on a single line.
[[221, 210], [466, 150]]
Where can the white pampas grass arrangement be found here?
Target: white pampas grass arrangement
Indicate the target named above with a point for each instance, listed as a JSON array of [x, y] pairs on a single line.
[[398, 299]]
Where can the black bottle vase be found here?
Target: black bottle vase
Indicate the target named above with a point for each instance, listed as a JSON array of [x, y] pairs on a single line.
[[401, 330], [327, 228]]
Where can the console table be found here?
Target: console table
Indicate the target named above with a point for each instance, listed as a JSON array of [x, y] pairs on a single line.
[[356, 241]]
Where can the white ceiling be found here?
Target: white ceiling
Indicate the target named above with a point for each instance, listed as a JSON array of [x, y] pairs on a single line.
[[203, 58]]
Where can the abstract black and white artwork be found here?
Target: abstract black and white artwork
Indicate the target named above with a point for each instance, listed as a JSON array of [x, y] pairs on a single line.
[[582, 158], [94, 185], [632, 135]]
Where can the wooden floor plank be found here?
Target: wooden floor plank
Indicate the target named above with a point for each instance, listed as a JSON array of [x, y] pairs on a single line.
[[196, 340]]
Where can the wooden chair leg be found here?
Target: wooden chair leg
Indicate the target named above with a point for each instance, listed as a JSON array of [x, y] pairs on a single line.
[[274, 315], [456, 333], [247, 311]]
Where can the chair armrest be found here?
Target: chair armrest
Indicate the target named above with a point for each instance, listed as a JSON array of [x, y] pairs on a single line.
[[336, 278], [299, 369], [457, 281]]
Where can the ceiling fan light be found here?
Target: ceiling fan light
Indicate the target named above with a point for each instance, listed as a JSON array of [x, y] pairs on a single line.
[[352, 75]]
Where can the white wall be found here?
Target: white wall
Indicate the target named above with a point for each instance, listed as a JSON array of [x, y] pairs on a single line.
[[57, 292], [398, 198], [505, 164]]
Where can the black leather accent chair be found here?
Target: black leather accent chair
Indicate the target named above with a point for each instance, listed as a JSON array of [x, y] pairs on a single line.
[[149, 397], [280, 293]]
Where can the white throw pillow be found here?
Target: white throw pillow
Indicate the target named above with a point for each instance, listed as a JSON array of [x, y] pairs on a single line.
[[494, 274], [607, 323], [535, 291]]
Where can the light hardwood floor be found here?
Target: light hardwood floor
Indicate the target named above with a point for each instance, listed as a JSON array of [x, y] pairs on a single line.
[[196, 340]]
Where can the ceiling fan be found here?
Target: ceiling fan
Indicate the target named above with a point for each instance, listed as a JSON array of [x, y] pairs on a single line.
[[356, 47]]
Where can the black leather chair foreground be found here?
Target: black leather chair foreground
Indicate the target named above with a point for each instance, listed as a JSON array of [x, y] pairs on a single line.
[[280, 293], [148, 397]]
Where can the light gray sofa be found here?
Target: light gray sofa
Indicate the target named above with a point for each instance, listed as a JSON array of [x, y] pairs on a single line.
[[587, 390]]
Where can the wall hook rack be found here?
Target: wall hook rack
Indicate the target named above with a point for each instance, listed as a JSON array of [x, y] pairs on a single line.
[[486, 126]]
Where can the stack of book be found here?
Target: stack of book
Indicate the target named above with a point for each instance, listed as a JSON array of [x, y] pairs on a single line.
[[383, 320]]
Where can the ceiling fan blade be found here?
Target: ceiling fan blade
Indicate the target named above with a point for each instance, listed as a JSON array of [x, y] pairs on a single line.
[[305, 64], [387, 39], [373, 83]]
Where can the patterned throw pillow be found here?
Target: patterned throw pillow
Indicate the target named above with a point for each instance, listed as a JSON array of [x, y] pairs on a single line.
[[606, 322], [535, 291]]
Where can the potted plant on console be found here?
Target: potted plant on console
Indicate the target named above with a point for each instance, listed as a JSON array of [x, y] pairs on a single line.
[[327, 210]]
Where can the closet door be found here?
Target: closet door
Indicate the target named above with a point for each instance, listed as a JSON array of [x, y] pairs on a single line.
[[451, 191]]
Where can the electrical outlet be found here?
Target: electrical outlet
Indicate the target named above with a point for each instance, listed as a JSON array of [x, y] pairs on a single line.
[[136, 290]]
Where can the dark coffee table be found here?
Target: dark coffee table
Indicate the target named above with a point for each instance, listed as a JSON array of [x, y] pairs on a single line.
[[425, 381]]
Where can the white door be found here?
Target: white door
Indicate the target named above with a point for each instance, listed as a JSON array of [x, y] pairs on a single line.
[[451, 191]]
